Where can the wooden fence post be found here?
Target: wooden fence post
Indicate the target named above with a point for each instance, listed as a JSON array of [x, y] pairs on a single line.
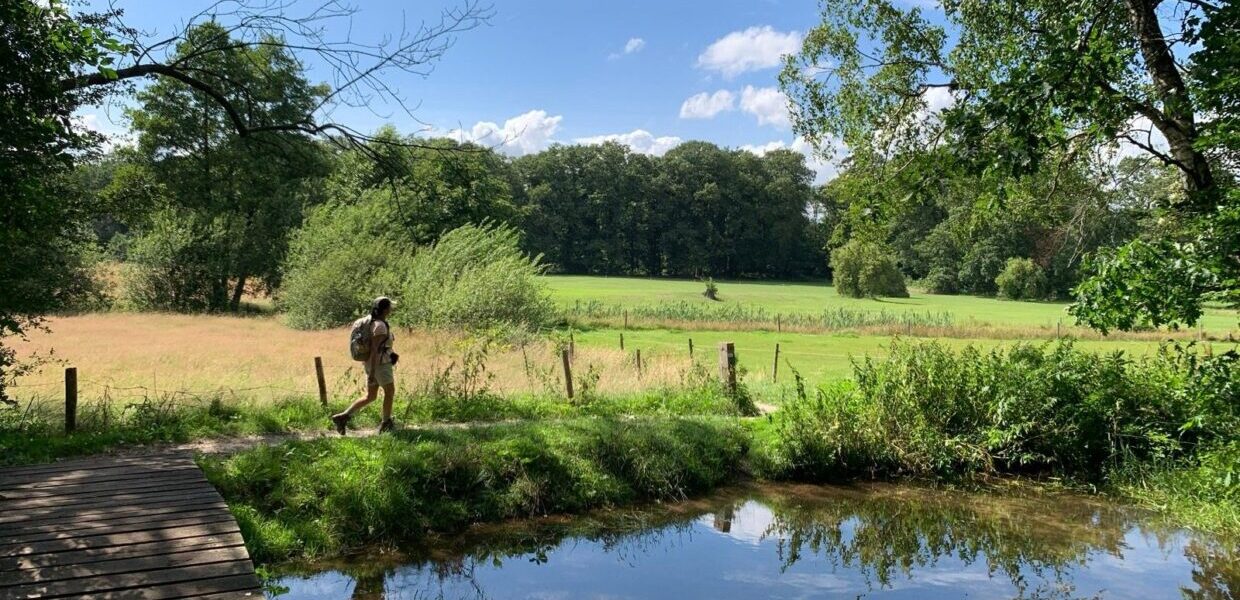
[[568, 373], [727, 365], [779, 324], [1058, 323], [775, 365], [572, 347], [690, 348], [626, 320], [639, 363], [622, 341], [71, 393], [318, 373]]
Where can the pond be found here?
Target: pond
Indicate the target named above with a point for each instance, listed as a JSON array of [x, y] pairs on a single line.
[[791, 541]]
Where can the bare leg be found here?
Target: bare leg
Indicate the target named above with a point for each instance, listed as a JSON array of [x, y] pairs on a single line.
[[389, 391], [372, 390]]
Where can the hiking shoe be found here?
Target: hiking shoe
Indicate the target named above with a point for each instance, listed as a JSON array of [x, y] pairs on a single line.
[[341, 421], [387, 426]]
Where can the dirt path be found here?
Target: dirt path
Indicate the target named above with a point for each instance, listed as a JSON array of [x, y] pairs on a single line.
[[232, 445]]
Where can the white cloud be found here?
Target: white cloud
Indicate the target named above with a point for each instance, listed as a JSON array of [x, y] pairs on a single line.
[[749, 50], [824, 169], [768, 104], [523, 134], [114, 134], [1142, 131], [638, 140], [632, 46], [706, 106]]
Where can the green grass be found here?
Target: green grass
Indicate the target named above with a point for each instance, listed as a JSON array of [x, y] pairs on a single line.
[[819, 358], [782, 297], [327, 497], [35, 435]]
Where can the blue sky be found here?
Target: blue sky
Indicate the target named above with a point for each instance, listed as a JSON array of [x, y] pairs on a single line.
[[649, 73]]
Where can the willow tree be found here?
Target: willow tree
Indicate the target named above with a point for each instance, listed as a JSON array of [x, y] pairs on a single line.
[[1011, 87]]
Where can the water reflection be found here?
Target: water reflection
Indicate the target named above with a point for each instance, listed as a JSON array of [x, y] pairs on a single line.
[[807, 542]]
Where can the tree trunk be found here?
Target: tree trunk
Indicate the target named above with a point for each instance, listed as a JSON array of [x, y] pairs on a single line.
[[235, 303], [1176, 119]]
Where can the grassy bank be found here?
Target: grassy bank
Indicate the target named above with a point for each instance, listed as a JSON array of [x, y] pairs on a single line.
[[325, 497], [34, 433]]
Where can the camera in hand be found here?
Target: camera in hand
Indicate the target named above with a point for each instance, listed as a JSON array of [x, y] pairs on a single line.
[[395, 357]]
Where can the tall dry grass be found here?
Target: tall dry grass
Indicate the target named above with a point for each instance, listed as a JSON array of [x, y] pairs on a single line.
[[126, 356]]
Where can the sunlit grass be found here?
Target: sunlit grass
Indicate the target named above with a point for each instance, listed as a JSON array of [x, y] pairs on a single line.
[[572, 291]]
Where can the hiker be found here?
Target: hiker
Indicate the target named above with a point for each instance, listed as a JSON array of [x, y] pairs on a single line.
[[370, 341]]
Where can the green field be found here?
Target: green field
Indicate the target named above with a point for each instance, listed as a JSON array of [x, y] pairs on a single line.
[[818, 357], [816, 297]]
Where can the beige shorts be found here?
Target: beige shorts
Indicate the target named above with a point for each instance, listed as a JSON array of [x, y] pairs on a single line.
[[384, 375]]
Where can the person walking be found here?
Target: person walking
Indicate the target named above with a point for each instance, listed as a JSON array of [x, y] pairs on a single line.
[[370, 342]]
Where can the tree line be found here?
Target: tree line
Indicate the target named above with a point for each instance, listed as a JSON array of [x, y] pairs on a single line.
[[202, 212]]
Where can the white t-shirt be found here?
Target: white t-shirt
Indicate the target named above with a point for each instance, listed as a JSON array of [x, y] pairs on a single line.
[[385, 351]]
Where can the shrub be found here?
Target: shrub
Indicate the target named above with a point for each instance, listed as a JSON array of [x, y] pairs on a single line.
[[347, 254], [942, 280], [1021, 279], [712, 290], [177, 264], [928, 410], [474, 277], [981, 265], [339, 261], [865, 269]]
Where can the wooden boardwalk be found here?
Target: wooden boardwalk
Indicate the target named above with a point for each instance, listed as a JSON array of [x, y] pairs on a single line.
[[121, 527]]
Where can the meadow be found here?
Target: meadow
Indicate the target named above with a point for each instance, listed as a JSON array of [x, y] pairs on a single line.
[[1014, 319], [258, 358]]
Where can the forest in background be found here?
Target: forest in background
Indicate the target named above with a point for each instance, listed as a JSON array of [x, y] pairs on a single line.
[[203, 213]]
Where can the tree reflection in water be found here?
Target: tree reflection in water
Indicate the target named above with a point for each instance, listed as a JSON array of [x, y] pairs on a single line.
[[886, 535]]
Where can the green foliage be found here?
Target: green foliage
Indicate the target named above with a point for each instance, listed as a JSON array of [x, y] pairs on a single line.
[[42, 215], [1162, 282], [1021, 279], [430, 186], [697, 209], [302, 499], [1023, 86], [712, 289], [238, 197], [941, 280], [176, 264], [339, 261], [474, 277], [865, 269], [925, 410]]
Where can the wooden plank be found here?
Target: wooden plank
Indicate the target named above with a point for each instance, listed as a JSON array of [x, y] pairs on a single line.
[[88, 488], [111, 505], [98, 463], [147, 506], [201, 575], [150, 562], [119, 527], [217, 587], [105, 498], [93, 555], [172, 522], [120, 539], [175, 511], [41, 480]]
